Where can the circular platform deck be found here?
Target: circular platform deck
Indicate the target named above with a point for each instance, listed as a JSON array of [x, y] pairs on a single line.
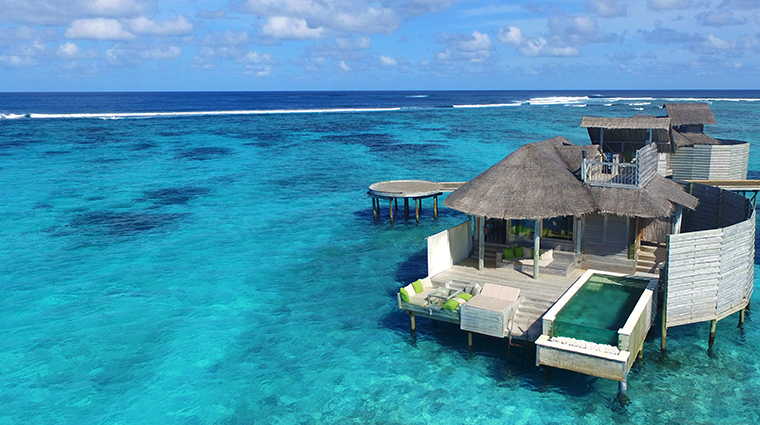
[[409, 189]]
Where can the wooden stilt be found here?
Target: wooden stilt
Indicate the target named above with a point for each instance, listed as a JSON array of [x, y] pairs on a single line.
[[469, 339], [435, 207], [536, 245], [411, 317], [395, 200], [406, 208], [374, 207], [711, 340], [417, 209], [640, 356], [420, 204], [663, 315], [623, 388], [391, 205], [741, 317]]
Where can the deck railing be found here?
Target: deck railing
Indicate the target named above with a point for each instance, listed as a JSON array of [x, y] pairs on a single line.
[[632, 175]]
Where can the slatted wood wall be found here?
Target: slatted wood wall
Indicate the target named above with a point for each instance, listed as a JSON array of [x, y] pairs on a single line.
[[711, 162], [711, 270]]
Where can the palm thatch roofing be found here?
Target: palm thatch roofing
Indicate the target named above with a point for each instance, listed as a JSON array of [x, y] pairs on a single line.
[[690, 139], [690, 113], [643, 122], [541, 180]]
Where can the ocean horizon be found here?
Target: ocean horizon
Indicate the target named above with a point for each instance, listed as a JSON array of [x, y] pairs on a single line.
[[212, 258]]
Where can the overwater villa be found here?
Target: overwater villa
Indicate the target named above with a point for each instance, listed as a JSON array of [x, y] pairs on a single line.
[[569, 246]]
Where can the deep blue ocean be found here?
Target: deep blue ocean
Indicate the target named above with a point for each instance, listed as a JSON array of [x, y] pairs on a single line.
[[212, 258]]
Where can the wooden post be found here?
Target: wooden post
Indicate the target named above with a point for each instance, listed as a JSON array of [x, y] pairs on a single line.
[[435, 207], [481, 242], [411, 316], [406, 208], [623, 387], [417, 209], [578, 231], [536, 245], [469, 340], [374, 207], [395, 200], [664, 313], [711, 340], [390, 203], [741, 317]]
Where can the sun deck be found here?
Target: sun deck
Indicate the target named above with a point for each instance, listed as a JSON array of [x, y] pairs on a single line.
[[537, 295]]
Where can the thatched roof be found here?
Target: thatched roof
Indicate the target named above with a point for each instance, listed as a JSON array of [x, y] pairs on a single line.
[[540, 180], [643, 122], [690, 113], [532, 182], [690, 139]]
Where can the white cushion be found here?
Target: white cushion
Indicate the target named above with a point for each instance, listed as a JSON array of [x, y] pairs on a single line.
[[426, 282]]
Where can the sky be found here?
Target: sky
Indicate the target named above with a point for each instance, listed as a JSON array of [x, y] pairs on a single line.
[[136, 45]]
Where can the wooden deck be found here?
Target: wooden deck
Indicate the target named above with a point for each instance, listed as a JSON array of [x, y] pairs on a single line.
[[538, 295]]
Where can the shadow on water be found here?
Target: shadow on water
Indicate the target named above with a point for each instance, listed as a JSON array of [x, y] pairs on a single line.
[[174, 195], [426, 214], [204, 153], [113, 223]]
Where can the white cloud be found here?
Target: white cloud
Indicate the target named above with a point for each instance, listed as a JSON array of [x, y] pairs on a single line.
[[163, 53], [63, 12], [473, 48], [719, 19], [340, 15], [254, 57], [533, 47], [119, 8], [388, 61], [282, 27], [344, 66], [97, 29], [717, 43], [492, 10], [18, 61], [211, 14], [70, 51], [144, 26], [356, 43], [129, 55], [258, 71], [607, 8], [669, 4]]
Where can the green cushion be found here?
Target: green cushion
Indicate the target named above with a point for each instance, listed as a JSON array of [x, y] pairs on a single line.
[[509, 253], [451, 305], [417, 286], [465, 296], [546, 233], [532, 253], [404, 295], [518, 251]]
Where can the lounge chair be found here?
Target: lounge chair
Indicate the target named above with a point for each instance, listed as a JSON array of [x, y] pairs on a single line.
[[490, 311]]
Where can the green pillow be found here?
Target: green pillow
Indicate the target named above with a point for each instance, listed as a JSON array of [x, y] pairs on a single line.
[[532, 253], [546, 233], [509, 253], [518, 251], [465, 296], [417, 286], [404, 295], [451, 305]]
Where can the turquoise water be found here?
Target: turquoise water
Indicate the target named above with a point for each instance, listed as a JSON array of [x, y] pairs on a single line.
[[227, 269], [599, 308]]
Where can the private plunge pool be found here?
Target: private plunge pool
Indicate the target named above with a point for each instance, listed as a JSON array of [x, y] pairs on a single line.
[[599, 325]]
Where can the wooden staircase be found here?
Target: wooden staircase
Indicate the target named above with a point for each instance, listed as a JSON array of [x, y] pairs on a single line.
[[650, 258]]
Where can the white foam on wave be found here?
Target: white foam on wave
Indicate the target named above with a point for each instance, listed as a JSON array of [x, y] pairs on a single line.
[[711, 99], [640, 103], [13, 116], [558, 100], [204, 113], [488, 105], [417, 96]]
